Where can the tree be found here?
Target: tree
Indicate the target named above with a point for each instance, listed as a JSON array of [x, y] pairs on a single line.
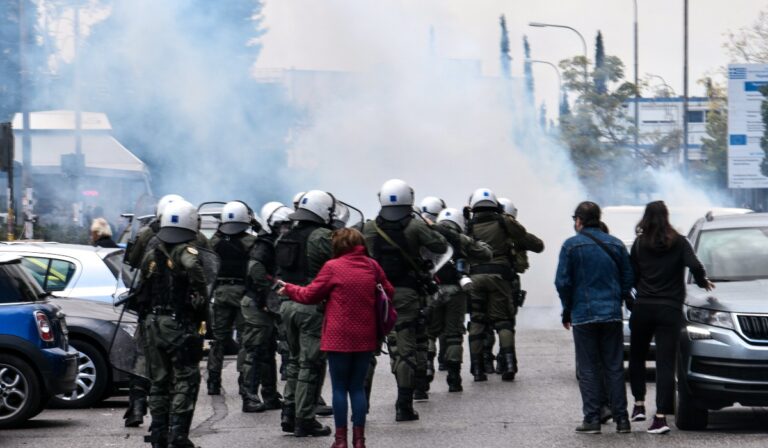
[[565, 107], [715, 145], [750, 44], [506, 59], [600, 76], [528, 70]]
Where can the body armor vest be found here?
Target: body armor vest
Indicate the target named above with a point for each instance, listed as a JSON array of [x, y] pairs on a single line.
[[392, 261], [167, 286], [234, 257], [291, 254]]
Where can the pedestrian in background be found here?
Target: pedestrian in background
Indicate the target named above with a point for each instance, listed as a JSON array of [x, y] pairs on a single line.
[[101, 233], [593, 276], [347, 284], [659, 257]]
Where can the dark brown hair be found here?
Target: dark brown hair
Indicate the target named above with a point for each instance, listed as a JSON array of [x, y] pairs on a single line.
[[344, 240], [589, 213], [655, 227]]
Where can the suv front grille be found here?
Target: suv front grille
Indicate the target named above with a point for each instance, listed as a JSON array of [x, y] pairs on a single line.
[[740, 370], [754, 327]]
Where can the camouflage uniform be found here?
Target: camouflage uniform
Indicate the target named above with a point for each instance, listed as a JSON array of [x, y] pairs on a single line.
[[175, 290], [300, 254], [259, 340], [226, 314], [408, 343]]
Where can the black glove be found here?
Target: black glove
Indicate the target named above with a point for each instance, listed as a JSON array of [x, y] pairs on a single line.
[[566, 316]]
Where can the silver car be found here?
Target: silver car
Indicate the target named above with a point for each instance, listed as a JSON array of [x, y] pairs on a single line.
[[74, 270], [723, 356]]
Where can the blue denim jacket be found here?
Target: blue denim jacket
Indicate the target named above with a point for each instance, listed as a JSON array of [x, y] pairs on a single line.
[[588, 279]]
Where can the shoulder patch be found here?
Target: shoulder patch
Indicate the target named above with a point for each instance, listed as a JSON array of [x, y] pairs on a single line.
[[192, 250]]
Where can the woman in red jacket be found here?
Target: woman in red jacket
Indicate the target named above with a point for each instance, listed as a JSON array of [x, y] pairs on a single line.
[[347, 284]]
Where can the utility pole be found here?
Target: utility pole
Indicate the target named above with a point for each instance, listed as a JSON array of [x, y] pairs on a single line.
[[685, 88], [637, 90], [78, 165], [26, 141]]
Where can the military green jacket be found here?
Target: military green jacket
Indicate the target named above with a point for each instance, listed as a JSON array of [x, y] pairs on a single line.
[[261, 268], [318, 250], [472, 250], [503, 234], [418, 234], [185, 261]]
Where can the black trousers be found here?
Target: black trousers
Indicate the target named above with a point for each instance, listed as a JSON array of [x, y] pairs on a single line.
[[662, 322]]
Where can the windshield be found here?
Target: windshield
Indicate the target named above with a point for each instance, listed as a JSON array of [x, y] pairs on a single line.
[[734, 254], [16, 285], [114, 262]]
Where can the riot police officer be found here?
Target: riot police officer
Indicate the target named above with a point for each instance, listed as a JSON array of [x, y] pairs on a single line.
[[299, 255], [447, 313], [233, 244], [174, 287], [491, 293], [260, 308], [395, 239], [430, 207]]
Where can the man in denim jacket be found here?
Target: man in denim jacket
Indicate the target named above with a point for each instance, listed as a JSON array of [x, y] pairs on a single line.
[[592, 280]]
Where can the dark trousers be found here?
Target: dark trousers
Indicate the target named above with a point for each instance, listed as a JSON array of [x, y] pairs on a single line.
[[600, 364], [348, 373], [663, 322]]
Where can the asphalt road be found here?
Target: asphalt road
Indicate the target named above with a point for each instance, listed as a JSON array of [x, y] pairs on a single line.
[[540, 409]]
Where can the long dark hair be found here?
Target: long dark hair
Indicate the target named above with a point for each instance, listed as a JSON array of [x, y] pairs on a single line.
[[655, 227]]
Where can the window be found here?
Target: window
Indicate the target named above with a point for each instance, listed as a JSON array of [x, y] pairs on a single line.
[[734, 254], [695, 116], [50, 274], [15, 285]]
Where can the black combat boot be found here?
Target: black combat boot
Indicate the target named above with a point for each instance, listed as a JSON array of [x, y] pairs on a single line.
[[178, 436], [488, 359], [510, 367], [441, 357], [322, 409], [476, 367], [158, 432], [430, 369], [454, 377], [500, 363], [422, 386], [214, 383], [306, 427], [251, 403], [137, 409], [288, 418], [404, 411]]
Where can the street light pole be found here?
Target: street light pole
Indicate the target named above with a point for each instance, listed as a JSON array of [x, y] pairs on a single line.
[[685, 88], [583, 42], [637, 90], [559, 79]]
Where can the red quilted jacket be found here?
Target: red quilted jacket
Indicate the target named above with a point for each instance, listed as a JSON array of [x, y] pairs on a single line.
[[349, 285]]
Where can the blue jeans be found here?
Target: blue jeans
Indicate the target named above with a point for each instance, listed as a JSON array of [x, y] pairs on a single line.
[[600, 364], [348, 372]]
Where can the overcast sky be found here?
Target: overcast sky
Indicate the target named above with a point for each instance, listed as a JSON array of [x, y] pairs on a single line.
[[311, 34]]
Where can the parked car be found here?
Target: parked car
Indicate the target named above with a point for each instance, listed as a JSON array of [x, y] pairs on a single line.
[[74, 270], [36, 361], [92, 327], [723, 356]]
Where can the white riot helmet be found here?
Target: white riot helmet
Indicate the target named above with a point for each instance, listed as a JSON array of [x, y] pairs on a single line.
[[164, 201], [509, 207], [297, 198], [274, 213], [452, 215], [236, 217], [431, 206], [315, 205], [396, 199], [179, 223], [483, 197]]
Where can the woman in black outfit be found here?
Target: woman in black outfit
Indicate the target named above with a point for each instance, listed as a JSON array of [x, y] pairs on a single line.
[[659, 257]]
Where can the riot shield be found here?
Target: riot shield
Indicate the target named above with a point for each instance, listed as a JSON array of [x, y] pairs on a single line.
[[143, 214], [126, 350], [436, 261], [357, 224]]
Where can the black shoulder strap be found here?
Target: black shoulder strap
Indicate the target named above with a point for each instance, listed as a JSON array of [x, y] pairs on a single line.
[[605, 248]]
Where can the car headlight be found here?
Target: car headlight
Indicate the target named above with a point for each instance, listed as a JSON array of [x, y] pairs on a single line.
[[720, 319]]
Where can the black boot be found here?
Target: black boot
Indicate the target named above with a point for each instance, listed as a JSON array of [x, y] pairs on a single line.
[[283, 366], [251, 403], [488, 362], [178, 436], [214, 383], [134, 415], [422, 386], [510, 367], [310, 427], [500, 363], [322, 409], [430, 369], [404, 406], [454, 377], [288, 418], [158, 432], [476, 367]]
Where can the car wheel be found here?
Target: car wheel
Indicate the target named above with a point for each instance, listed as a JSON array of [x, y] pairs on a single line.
[[92, 379], [688, 416], [19, 391]]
